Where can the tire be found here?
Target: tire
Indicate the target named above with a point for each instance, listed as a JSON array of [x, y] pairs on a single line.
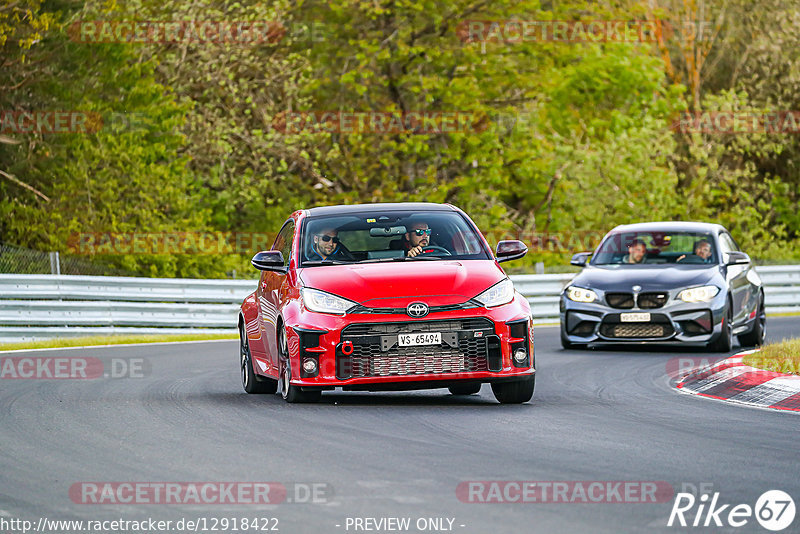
[[756, 336], [250, 381], [515, 392], [725, 340], [465, 389], [291, 394]]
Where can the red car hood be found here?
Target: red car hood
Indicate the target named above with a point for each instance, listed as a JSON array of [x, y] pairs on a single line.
[[396, 284]]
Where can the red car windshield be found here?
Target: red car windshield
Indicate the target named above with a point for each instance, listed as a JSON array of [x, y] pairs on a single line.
[[374, 236], [630, 248]]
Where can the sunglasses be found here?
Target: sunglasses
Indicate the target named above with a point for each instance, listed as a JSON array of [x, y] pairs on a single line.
[[420, 231], [327, 238]]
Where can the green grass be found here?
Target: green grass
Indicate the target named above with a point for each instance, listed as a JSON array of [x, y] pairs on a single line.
[[112, 340], [783, 357], [785, 314]]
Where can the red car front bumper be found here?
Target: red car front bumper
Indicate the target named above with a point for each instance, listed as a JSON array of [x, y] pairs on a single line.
[[361, 351]]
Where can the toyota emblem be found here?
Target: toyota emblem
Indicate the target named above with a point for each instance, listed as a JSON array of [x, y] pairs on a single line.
[[637, 288], [417, 309]]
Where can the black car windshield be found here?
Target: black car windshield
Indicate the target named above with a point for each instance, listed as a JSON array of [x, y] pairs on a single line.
[[372, 237], [656, 247]]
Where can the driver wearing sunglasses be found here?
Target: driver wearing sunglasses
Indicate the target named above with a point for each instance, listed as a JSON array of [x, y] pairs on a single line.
[[326, 246], [417, 238]]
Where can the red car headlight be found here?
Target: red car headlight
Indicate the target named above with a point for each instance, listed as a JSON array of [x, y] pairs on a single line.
[[322, 302], [500, 293]]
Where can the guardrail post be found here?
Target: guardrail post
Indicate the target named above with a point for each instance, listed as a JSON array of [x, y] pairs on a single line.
[[55, 263]]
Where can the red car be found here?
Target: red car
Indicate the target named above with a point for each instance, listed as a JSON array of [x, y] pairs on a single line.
[[385, 297]]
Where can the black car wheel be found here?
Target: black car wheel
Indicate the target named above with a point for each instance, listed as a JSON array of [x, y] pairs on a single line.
[[250, 382], [515, 392], [465, 389], [756, 336], [289, 392], [725, 340]]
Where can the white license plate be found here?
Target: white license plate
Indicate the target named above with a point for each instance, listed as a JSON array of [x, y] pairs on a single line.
[[422, 338], [634, 317]]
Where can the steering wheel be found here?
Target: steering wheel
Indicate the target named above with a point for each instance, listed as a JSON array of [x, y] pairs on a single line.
[[692, 259], [433, 248]]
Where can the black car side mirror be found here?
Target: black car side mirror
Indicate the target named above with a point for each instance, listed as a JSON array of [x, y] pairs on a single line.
[[269, 260], [510, 250], [580, 259], [737, 258]]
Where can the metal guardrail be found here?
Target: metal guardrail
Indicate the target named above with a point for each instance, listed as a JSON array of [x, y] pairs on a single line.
[[45, 306]]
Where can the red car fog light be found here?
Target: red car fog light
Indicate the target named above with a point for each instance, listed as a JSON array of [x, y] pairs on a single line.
[[518, 343], [310, 366]]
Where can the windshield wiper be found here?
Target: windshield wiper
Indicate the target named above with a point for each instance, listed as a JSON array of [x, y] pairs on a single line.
[[402, 258], [325, 262], [378, 260]]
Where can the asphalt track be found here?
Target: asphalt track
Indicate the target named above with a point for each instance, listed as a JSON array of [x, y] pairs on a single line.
[[602, 415]]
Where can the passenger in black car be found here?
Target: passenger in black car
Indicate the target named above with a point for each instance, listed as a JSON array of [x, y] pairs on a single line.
[[701, 254]]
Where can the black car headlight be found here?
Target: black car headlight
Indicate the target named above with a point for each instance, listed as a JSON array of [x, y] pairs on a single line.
[[579, 294], [698, 294]]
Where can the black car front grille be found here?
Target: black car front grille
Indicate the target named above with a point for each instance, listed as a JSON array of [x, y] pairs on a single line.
[[646, 301], [369, 359], [659, 326], [652, 300], [636, 330], [623, 301]]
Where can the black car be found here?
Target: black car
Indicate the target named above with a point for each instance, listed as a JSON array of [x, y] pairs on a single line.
[[666, 283]]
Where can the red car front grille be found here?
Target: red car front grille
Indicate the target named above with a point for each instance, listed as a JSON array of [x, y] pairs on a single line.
[[367, 358], [417, 364]]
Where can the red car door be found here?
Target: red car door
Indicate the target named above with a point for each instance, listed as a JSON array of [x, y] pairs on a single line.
[[269, 294]]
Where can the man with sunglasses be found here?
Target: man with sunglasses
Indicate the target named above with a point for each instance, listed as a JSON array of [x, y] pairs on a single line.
[[417, 238], [326, 246]]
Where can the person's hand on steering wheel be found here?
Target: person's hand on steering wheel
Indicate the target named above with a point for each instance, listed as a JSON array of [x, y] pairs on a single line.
[[428, 249]]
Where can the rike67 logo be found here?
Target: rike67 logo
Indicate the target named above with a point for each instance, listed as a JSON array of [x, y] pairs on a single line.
[[774, 510]]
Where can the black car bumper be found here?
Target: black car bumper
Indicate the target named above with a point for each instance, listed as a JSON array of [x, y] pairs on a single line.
[[675, 322]]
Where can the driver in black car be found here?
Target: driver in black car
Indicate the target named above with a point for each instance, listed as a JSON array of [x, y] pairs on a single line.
[[416, 239]]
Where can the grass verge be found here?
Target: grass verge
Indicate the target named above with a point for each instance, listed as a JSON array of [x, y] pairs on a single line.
[[783, 357], [112, 340]]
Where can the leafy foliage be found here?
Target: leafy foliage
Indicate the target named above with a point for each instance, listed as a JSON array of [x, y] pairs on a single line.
[[565, 139]]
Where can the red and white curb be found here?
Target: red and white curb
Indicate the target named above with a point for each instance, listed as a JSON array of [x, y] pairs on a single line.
[[733, 381]]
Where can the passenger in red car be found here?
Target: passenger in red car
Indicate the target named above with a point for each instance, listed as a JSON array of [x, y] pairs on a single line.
[[327, 246]]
